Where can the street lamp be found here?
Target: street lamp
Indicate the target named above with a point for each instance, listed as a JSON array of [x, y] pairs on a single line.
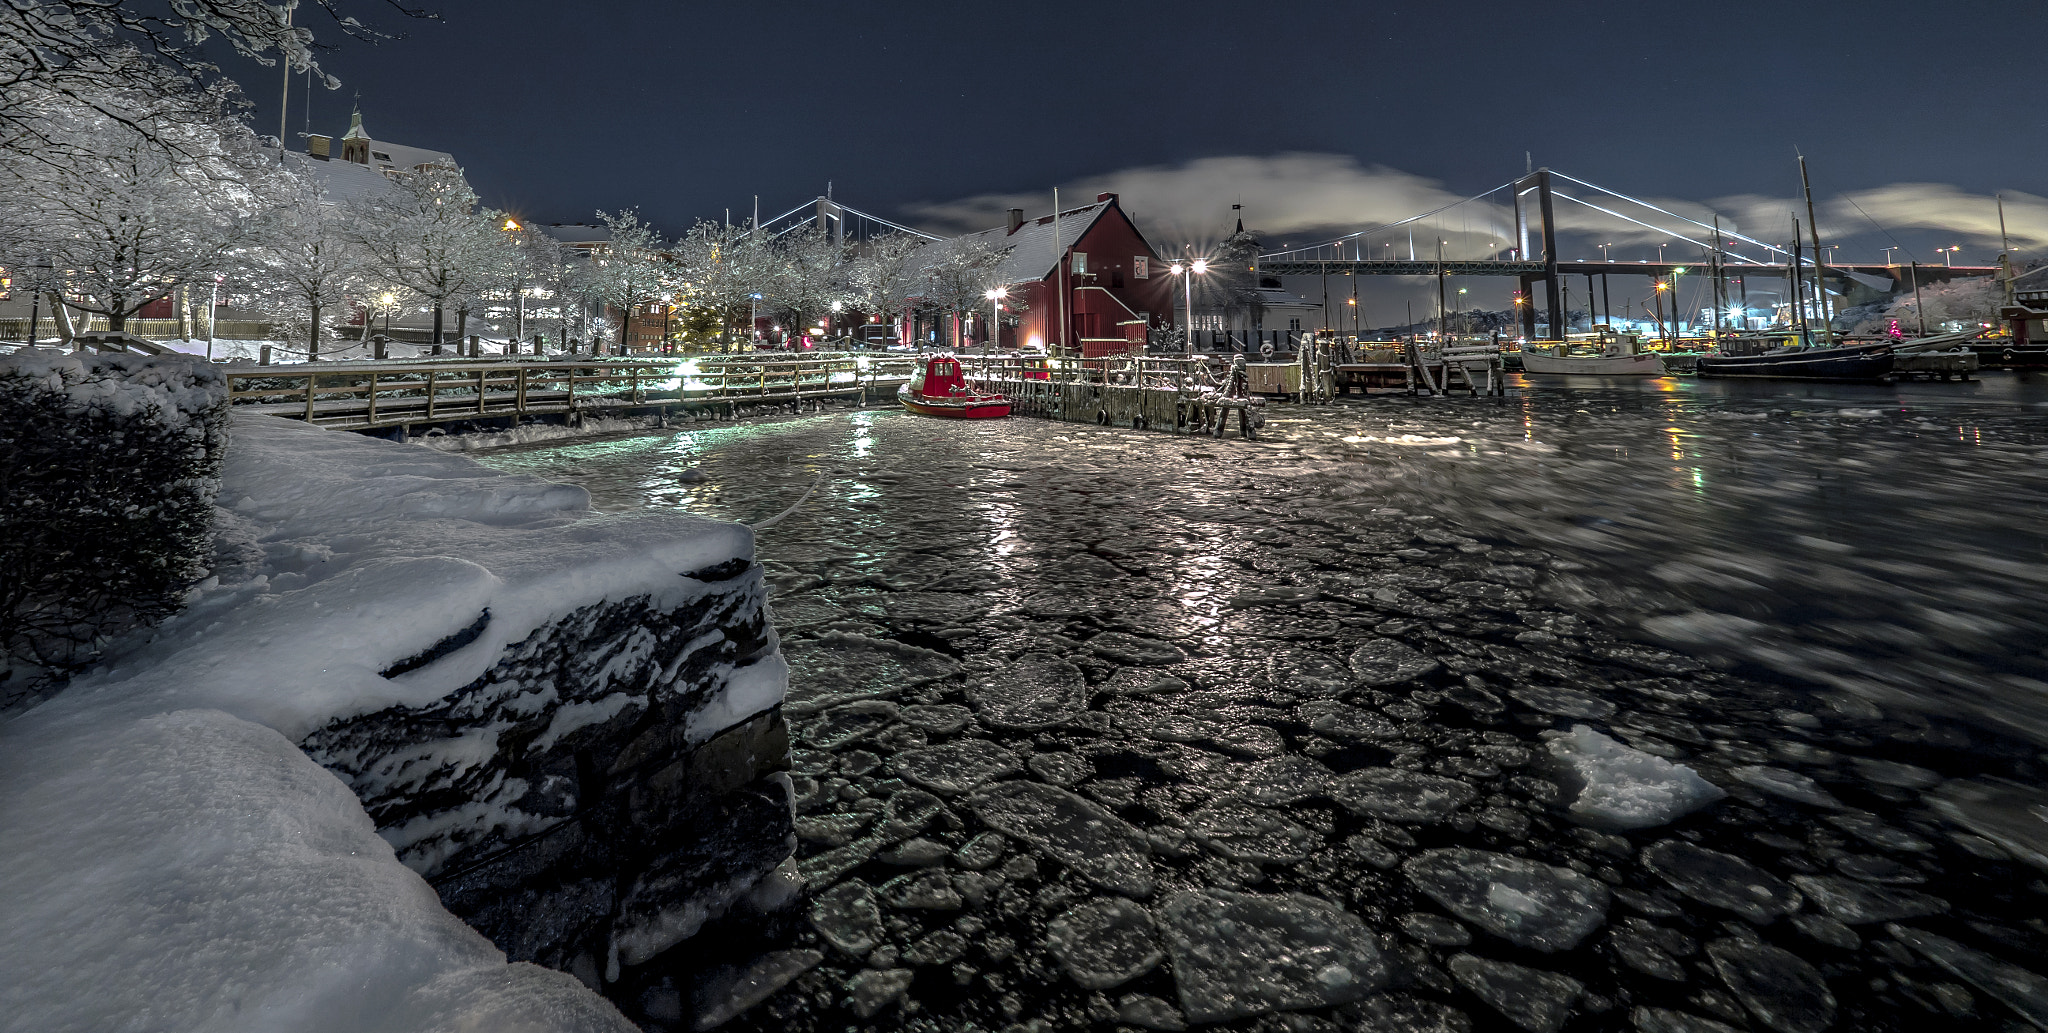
[[1946, 252], [995, 318], [1888, 254], [1603, 251], [1187, 286]]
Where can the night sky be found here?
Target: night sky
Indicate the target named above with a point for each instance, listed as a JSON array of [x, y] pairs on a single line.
[[1311, 115]]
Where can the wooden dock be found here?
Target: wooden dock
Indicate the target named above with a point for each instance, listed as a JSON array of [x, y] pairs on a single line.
[[371, 395], [1177, 396]]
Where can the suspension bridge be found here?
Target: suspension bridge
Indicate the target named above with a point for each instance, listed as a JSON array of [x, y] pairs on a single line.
[[1528, 250]]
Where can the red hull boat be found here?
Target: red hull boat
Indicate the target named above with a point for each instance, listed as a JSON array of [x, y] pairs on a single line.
[[941, 391]]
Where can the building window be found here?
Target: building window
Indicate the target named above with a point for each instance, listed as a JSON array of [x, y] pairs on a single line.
[[1080, 263], [1141, 267]]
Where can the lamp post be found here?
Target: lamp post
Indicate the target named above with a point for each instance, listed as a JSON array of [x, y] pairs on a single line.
[[518, 290], [1603, 251], [1946, 252], [995, 319], [1675, 330], [1187, 287], [1888, 254]]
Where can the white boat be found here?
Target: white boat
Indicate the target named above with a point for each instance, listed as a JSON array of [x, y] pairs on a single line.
[[1617, 357]]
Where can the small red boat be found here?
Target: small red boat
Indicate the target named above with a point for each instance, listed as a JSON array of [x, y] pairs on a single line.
[[941, 391]]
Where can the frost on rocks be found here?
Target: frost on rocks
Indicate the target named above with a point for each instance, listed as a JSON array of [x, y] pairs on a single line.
[[1859, 903], [2017, 988], [847, 917], [1082, 835], [1405, 796], [1239, 954], [1527, 903], [1533, 999], [1104, 943], [1384, 661], [1623, 788], [1721, 880], [956, 767], [1037, 690], [1774, 985]]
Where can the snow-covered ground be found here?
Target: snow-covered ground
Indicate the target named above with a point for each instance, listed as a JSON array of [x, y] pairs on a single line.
[[175, 862]]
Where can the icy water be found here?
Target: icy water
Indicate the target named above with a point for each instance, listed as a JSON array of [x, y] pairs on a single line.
[[1665, 706]]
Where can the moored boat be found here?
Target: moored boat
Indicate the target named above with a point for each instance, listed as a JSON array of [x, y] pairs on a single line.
[[939, 389], [1617, 357], [1837, 362]]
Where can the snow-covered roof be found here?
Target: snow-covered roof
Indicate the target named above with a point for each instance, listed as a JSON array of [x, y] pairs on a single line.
[[344, 180], [1031, 255], [578, 233]]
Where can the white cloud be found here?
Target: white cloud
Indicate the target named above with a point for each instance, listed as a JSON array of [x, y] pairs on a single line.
[[1300, 197]]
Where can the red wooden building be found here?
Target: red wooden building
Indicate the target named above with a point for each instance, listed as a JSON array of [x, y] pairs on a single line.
[[1089, 285]]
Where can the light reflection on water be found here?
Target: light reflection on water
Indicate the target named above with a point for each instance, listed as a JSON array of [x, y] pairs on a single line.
[[1884, 540]]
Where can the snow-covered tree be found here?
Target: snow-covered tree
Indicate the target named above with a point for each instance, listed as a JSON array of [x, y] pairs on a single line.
[[129, 218], [806, 275], [428, 236], [883, 278], [303, 258], [631, 270], [958, 277], [82, 53], [722, 269]]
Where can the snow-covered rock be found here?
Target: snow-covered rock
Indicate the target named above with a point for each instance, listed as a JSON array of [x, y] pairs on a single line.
[[566, 721], [1624, 788]]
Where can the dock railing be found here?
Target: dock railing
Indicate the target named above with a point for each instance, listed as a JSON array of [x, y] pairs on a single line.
[[379, 395]]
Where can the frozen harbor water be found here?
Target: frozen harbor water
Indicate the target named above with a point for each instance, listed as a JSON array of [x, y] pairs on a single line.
[[1652, 707]]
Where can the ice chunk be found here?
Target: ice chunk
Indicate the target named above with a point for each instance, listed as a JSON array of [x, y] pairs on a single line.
[[1384, 661], [1778, 988], [1139, 681], [1721, 880], [1346, 722], [1060, 767], [955, 767], [2023, 991], [1104, 943], [1148, 1012], [1563, 702], [1280, 780], [1098, 845], [1531, 998], [1527, 903], [1434, 930], [1037, 690], [942, 718], [847, 918], [1623, 788], [2009, 814], [1858, 903], [1241, 954], [1121, 647], [1788, 785], [980, 852], [1649, 948], [875, 989], [1398, 795], [1254, 834], [943, 608], [850, 723], [1664, 1020], [914, 853], [937, 948], [1309, 673], [929, 890], [724, 993]]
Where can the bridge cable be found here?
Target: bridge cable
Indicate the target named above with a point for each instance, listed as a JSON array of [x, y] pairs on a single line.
[[1662, 211], [1388, 226]]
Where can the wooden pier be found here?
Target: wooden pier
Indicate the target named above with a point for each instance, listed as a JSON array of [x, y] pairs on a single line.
[[370, 395], [1177, 396]]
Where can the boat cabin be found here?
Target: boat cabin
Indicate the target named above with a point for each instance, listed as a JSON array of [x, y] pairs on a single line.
[[942, 378]]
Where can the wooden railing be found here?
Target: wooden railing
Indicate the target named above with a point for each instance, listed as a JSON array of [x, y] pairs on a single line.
[[367, 395]]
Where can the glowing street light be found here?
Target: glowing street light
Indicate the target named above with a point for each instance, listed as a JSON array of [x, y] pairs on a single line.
[[1946, 252], [1187, 275], [1604, 257], [995, 315]]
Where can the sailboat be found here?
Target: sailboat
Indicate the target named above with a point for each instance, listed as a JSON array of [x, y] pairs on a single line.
[[1800, 356]]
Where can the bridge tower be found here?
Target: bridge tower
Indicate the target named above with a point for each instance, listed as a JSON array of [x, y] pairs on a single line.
[[1538, 183]]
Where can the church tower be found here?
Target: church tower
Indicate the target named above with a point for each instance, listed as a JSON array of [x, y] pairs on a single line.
[[355, 145]]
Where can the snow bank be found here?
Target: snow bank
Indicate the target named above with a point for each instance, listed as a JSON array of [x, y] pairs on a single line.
[[478, 658], [1624, 788]]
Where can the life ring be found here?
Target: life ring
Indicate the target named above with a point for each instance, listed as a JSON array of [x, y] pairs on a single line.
[[1266, 350]]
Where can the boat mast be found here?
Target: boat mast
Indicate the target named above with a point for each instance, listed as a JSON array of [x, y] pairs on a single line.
[[1798, 283], [1720, 278], [1820, 283]]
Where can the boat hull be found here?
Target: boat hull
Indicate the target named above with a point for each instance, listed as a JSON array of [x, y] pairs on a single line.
[[981, 408], [1639, 365], [1865, 362]]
